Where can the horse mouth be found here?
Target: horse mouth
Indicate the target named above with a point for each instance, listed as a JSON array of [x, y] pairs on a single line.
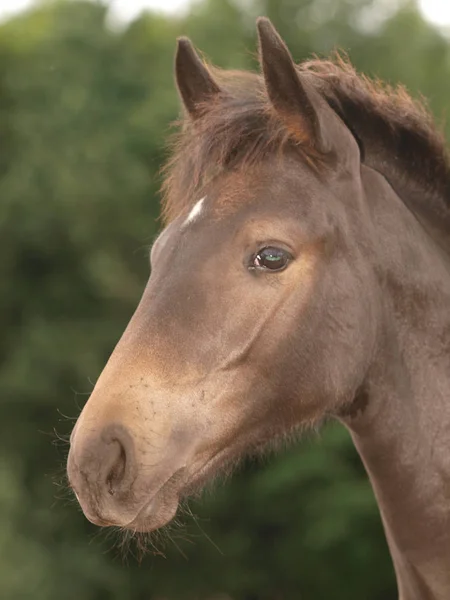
[[156, 513], [163, 505]]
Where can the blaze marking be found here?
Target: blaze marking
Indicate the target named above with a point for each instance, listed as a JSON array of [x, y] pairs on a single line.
[[195, 212]]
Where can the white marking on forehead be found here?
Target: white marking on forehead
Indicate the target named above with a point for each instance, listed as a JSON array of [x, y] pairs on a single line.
[[195, 212]]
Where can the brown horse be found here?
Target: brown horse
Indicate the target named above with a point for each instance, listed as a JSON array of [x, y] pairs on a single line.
[[304, 272]]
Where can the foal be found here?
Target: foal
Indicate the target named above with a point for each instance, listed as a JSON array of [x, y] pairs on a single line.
[[304, 272]]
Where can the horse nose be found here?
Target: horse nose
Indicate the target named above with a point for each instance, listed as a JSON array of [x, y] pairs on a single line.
[[101, 469]]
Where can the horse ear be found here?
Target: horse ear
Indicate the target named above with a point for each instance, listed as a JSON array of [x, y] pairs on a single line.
[[291, 97], [194, 81]]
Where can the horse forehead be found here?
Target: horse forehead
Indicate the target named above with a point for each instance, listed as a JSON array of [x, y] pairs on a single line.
[[261, 184]]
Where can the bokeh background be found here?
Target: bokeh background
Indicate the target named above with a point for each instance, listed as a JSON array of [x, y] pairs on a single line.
[[86, 104]]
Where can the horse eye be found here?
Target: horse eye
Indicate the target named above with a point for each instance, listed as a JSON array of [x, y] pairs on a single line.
[[271, 259]]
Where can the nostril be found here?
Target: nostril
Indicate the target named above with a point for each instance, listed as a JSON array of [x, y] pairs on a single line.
[[119, 462], [117, 471], [101, 466]]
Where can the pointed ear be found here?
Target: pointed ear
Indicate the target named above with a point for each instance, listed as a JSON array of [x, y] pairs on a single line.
[[295, 101], [194, 81]]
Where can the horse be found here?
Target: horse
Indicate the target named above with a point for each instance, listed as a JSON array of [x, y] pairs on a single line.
[[303, 273]]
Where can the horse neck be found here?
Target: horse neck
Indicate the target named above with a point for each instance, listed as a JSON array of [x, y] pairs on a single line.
[[403, 433]]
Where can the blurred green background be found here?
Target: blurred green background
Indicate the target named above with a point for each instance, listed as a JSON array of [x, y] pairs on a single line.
[[85, 108]]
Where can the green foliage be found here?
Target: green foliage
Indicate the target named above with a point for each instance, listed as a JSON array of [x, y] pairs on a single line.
[[84, 115]]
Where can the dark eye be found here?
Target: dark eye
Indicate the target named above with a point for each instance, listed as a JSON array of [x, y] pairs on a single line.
[[271, 259]]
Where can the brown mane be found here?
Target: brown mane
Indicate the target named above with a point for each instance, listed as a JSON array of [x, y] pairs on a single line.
[[396, 134]]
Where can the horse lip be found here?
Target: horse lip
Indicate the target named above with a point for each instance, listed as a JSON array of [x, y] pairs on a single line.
[[98, 521], [146, 508], [93, 517], [190, 482]]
